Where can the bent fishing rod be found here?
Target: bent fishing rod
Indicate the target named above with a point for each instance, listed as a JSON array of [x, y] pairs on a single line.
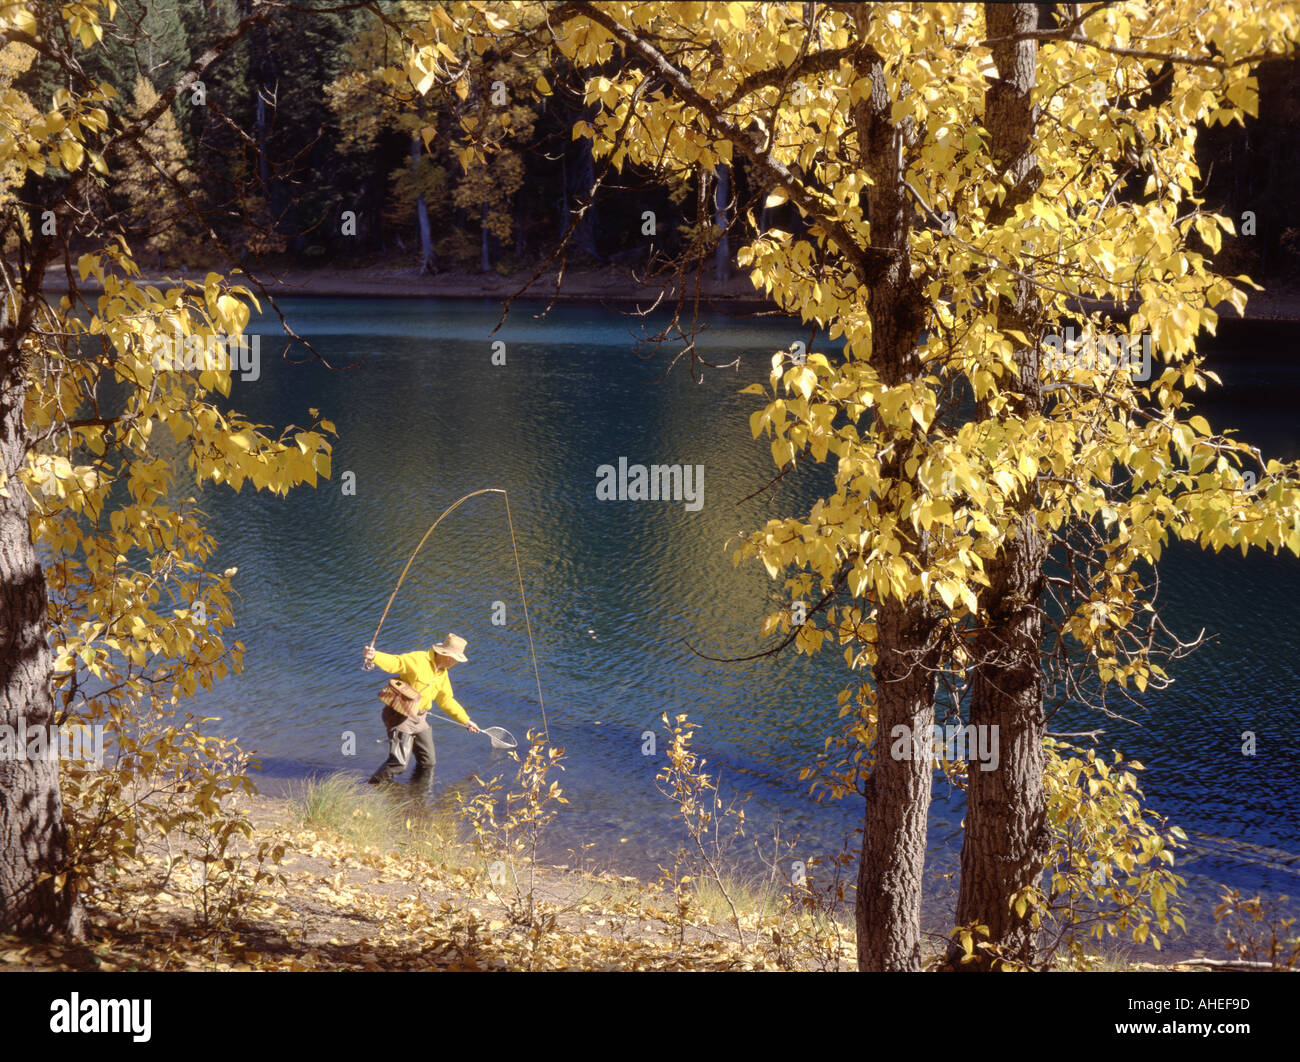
[[519, 572]]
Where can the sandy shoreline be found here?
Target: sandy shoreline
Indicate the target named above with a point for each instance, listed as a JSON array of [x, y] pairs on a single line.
[[348, 905], [613, 286], [616, 287]]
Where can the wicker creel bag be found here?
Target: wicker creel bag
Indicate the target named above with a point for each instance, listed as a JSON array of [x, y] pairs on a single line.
[[401, 697]]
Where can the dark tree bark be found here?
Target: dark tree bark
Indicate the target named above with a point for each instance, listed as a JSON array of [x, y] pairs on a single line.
[[897, 791], [1005, 840], [33, 838]]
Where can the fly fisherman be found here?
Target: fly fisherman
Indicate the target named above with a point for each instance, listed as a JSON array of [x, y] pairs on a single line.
[[426, 672]]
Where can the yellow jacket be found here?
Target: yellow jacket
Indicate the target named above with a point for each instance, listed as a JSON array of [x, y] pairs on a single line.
[[432, 682]]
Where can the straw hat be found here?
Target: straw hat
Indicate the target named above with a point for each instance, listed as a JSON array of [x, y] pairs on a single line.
[[453, 647]]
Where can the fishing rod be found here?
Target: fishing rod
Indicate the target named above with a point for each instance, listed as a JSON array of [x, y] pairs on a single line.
[[523, 596]]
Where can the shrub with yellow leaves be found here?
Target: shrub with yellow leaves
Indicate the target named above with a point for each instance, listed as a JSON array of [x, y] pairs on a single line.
[[1256, 932], [507, 831], [1108, 871]]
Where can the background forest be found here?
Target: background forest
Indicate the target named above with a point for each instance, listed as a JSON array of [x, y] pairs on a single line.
[[298, 152]]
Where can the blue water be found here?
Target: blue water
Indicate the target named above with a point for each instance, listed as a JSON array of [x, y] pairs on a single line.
[[624, 596]]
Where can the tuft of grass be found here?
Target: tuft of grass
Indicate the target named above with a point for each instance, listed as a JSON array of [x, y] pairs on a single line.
[[1116, 960], [364, 817], [753, 896], [609, 891], [434, 835], [346, 808]]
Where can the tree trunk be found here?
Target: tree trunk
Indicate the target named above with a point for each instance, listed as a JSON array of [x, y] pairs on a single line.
[[263, 131], [584, 176], [33, 838], [897, 791], [721, 195], [1005, 840], [897, 796], [521, 240], [565, 212], [427, 262], [485, 263]]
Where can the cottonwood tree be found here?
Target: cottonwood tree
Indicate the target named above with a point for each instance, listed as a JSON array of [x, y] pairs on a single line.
[[111, 415], [1131, 156], [972, 182]]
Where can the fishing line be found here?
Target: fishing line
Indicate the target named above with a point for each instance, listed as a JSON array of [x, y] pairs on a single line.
[[519, 572]]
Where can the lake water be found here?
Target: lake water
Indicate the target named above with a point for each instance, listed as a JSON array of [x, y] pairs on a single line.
[[621, 593]]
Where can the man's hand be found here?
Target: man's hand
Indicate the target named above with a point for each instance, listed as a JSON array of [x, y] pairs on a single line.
[[472, 727], [368, 657]]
